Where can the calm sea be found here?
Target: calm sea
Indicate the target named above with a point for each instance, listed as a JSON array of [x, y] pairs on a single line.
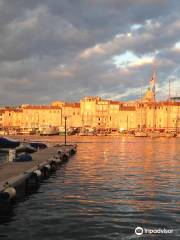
[[110, 187]]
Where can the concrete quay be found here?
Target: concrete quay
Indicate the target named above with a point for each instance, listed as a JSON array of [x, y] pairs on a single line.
[[14, 174]]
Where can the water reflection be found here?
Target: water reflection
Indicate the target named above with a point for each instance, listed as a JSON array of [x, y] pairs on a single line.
[[111, 186]]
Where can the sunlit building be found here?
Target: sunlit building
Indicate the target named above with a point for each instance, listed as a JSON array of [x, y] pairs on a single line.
[[72, 113], [94, 112], [1, 117]]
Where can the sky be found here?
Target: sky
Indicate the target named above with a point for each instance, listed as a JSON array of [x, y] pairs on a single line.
[[68, 49]]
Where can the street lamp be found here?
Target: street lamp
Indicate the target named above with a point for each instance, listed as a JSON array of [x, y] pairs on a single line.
[[65, 119]]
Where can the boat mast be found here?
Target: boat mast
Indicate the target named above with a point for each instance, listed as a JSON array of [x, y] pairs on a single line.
[[141, 110], [169, 89], [168, 107], [153, 88]]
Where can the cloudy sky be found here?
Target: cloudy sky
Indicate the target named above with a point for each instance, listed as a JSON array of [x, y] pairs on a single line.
[[68, 49]]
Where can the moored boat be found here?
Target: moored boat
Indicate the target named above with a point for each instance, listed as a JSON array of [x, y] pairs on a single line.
[[140, 134], [8, 143], [170, 134], [155, 134], [50, 131], [26, 148]]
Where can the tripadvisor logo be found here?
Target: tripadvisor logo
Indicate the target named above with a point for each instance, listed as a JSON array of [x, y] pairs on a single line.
[[139, 231]]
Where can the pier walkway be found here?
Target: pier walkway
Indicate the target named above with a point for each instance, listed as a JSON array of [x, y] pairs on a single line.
[[14, 173]]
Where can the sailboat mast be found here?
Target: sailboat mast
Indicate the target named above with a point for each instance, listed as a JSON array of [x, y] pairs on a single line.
[[141, 110], [153, 89], [154, 78], [169, 89]]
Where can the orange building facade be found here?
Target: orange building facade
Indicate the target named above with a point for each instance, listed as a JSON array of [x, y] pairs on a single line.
[[94, 112]]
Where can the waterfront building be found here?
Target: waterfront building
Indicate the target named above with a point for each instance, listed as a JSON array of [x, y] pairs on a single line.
[[158, 116], [32, 117], [35, 117], [127, 118], [106, 114], [1, 117], [12, 117], [88, 107], [96, 113], [72, 113]]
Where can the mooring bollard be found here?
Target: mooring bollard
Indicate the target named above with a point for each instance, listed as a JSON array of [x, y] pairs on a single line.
[[33, 181], [47, 166], [37, 173]]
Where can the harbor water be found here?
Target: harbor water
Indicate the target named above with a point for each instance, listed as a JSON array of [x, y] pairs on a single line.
[[110, 187]]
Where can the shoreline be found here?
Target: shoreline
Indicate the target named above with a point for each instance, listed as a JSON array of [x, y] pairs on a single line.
[[60, 138]]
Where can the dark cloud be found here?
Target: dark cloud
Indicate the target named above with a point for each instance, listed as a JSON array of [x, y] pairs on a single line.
[[51, 49]]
